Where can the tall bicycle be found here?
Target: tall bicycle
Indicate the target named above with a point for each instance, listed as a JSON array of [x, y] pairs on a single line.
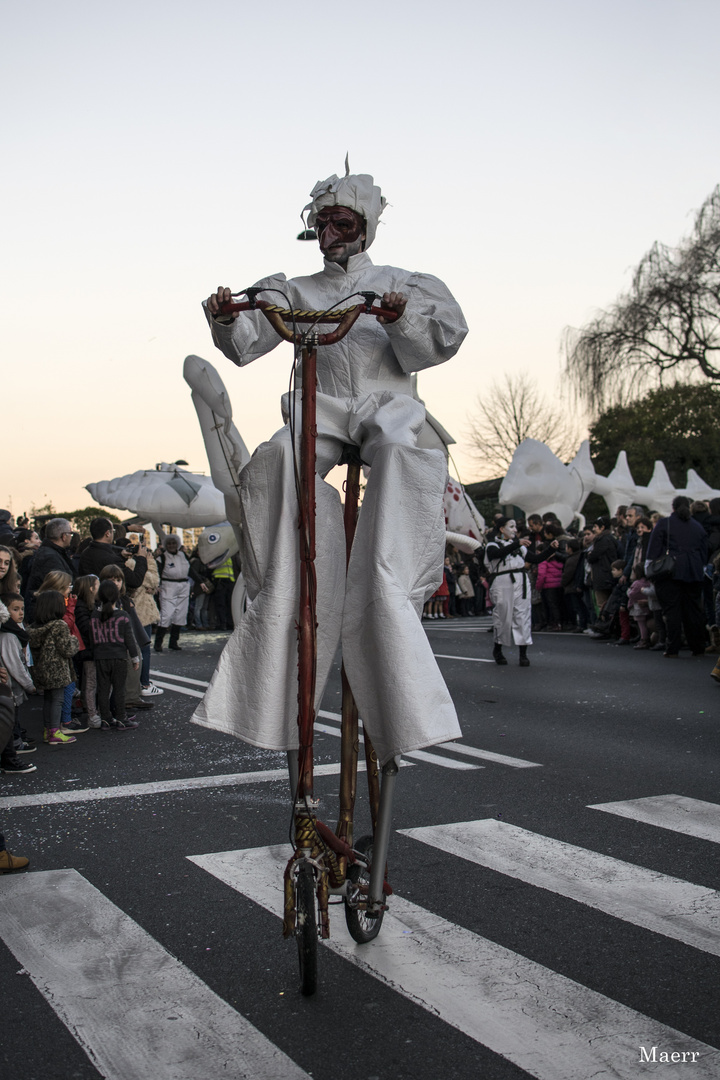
[[324, 863]]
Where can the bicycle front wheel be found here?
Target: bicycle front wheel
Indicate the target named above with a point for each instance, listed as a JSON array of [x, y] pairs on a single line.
[[306, 929], [361, 926]]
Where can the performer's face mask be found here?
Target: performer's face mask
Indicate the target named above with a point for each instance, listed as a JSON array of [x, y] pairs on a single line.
[[509, 531], [341, 233]]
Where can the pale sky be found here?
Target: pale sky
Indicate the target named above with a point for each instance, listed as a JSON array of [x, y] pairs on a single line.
[[530, 152]]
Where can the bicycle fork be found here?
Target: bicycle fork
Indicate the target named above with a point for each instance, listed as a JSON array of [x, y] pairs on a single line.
[[382, 837]]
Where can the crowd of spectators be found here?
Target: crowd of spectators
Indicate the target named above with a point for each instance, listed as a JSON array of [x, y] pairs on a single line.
[[76, 623], [636, 580]]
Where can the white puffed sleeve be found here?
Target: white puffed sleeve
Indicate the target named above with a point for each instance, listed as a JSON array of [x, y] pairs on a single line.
[[250, 335], [432, 328]]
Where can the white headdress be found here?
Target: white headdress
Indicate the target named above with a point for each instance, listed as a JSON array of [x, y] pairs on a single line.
[[358, 192]]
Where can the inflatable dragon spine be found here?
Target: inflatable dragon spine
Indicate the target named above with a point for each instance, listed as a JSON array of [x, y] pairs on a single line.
[[538, 481]]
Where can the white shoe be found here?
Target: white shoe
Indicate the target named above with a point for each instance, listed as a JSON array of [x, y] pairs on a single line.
[[151, 691]]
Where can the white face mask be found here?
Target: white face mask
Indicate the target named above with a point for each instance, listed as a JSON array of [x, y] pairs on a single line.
[[509, 531]]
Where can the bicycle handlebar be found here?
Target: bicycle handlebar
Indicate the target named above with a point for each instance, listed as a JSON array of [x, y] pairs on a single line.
[[277, 316]]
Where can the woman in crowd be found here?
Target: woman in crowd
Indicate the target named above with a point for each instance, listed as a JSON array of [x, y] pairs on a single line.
[[27, 542], [9, 579], [680, 593], [549, 580]]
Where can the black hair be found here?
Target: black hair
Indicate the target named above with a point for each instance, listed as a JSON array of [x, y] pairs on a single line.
[[99, 526], [681, 506], [553, 528], [49, 606], [108, 595], [12, 598]]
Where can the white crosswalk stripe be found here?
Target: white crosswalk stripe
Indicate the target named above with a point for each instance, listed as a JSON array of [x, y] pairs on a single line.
[[77, 946], [135, 1010], [547, 1024], [693, 817], [666, 905], [436, 759]]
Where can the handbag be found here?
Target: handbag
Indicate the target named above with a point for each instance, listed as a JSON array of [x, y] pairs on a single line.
[[664, 566]]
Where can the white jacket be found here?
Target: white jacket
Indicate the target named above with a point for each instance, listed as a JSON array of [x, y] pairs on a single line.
[[372, 357]]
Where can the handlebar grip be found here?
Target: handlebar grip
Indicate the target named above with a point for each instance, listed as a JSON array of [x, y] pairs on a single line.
[[391, 316]]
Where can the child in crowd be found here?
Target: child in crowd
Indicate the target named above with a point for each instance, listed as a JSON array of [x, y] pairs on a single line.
[[112, 639], [133, 695], [86, 590], [14, 640], [59, 581], [53, 647]]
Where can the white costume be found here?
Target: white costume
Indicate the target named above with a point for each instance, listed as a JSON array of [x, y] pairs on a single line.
[[365, 397], [509, 592], [174, 589]]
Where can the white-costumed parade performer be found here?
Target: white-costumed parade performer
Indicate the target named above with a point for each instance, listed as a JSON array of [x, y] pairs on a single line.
[[510, 591], [365, 398], [174, 569]]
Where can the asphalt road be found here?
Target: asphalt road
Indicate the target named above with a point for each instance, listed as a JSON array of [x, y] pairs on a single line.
[[541, 936]]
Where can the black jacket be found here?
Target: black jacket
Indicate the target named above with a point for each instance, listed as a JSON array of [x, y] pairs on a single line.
[[688, 546], [49, 556], [97, 555], [603, 554]]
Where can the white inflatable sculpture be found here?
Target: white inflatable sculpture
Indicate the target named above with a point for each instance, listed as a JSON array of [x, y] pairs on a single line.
[[538, 482], [165, 493]]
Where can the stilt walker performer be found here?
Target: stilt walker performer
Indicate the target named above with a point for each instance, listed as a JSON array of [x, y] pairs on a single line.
[[365, 398]]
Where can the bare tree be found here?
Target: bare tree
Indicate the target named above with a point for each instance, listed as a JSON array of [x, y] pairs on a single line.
[[514, 409], [668, 324]]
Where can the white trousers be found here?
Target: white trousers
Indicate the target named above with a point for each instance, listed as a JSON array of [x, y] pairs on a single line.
[[395, 565], [512, 614], [174, 600]]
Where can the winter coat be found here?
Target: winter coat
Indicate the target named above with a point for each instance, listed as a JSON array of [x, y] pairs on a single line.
[[112, 638], [465, 586], [47, 557], [52, 647], [571, 572], [12, 653], [688, 546], [600, 558], [139, 633], [144, 597], [550, 574], [636, 598], [82, 624], [97, 555]]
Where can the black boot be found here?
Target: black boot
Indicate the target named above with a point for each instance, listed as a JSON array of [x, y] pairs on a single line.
[[498, 655], [174, 635], [159, 637], [524, 662]]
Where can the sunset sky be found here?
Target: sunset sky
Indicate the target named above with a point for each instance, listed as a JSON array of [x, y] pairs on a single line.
[[530, 152]]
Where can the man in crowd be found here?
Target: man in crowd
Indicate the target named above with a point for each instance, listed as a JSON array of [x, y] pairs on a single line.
[[53, 554], [101, 552]]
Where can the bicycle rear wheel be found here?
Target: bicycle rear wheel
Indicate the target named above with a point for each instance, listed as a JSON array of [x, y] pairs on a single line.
[[361, 927], [306, 929]]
